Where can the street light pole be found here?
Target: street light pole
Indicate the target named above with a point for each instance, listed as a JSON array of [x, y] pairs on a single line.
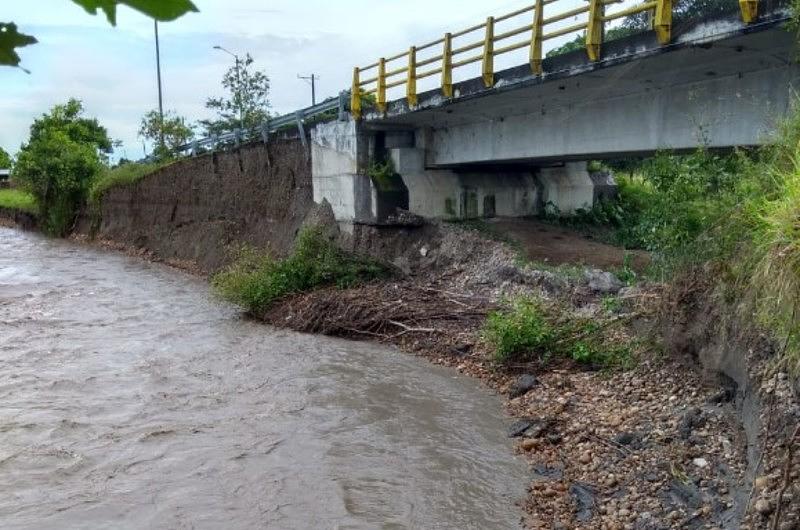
[[311, 79], [160, 94], [237, 96]]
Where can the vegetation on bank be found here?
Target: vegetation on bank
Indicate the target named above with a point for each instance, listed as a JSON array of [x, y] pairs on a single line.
[[528, 330], [256, 280], [120, 175], [735, 216], [15, 199], [58, 164]]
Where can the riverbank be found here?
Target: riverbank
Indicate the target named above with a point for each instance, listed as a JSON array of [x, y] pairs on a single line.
[[668, 443], [690, 430]]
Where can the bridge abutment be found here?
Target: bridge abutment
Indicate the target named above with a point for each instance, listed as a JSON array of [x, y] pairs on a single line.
[[343, 153]]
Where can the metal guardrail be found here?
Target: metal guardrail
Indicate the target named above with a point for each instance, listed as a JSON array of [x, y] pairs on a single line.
[[272, 125], [387, 72]]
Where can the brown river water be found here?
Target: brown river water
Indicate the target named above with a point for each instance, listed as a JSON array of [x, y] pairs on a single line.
[[131, 398]]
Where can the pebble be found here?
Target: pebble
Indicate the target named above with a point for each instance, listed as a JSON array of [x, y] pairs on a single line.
[[585, 457], [529, 444], [763, 506], [700, 462]]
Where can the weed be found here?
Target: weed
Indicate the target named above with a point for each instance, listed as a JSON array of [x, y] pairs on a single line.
[[527, 331], [119, 176], [521, 331], [256, 280]]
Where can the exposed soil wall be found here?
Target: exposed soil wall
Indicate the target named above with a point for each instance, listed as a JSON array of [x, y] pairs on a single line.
[[195, 209], [12, 217]]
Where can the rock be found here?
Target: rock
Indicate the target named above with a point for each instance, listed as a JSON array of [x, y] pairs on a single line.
[[529, 443], [764, 507], [583, 497], [522, 385], [520, 427], [603, 282], [700, 462], [423, 251], [554, 438], [761, 483], [585, 457], [625, 438], [691, 420]]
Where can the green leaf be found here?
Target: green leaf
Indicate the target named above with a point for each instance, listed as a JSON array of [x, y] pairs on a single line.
[[10, 39], [163, 10]]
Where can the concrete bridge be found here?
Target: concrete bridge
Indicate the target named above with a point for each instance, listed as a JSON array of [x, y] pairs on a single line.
[[509, 142]]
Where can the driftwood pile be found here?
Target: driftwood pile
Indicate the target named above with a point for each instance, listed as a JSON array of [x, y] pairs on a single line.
[[404, 313]]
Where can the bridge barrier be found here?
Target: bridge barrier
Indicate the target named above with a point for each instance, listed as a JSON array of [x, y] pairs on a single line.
[[270, 126], [406, 69]]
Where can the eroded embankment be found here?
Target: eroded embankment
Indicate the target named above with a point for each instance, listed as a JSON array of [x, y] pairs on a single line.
[[667, 444], [195, 209]]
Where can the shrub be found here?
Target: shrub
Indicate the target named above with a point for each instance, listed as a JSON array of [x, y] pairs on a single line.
[[529, 331], [65, 152], [256, 280], [520, 331]]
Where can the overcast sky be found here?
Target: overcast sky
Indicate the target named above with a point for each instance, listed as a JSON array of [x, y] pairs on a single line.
[[112, 70]]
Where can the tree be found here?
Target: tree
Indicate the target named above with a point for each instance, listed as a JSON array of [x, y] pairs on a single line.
[[65, 152], [168, 133], [6, 162], [246, 103], [163, 10]]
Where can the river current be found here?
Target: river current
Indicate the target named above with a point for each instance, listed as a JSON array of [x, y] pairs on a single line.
[[131, 398]]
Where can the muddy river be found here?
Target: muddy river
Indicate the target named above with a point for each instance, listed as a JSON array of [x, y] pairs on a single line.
[[131, 398]]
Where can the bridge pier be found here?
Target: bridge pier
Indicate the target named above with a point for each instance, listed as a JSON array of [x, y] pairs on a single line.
[[343, 153]]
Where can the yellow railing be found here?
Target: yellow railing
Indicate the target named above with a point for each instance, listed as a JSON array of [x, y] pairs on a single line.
[[405, 68]]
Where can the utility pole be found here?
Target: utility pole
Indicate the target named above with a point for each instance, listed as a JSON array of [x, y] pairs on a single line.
[[312, 79], [160, 95]]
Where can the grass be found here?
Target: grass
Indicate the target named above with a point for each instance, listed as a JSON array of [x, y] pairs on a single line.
[[527, 330], [16, 199], [120, 176], [256, 280], [737, 214]]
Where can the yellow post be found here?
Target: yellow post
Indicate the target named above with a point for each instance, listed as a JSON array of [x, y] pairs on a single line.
[[663, 21], [594, 29], [536, 38], [447, 66], [488, 54], [749, 10], [411, 83], [381, 95], [355, 95]]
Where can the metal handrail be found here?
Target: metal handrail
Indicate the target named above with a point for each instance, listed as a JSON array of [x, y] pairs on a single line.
[[270, 126], [593, 26]]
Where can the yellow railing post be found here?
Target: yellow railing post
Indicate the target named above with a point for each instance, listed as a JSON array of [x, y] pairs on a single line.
[[447, 66], [536, 38], [411, 83], [355, 95], [594, 29], [663, 21], [749, 10], [381, 95], [487, 71]]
